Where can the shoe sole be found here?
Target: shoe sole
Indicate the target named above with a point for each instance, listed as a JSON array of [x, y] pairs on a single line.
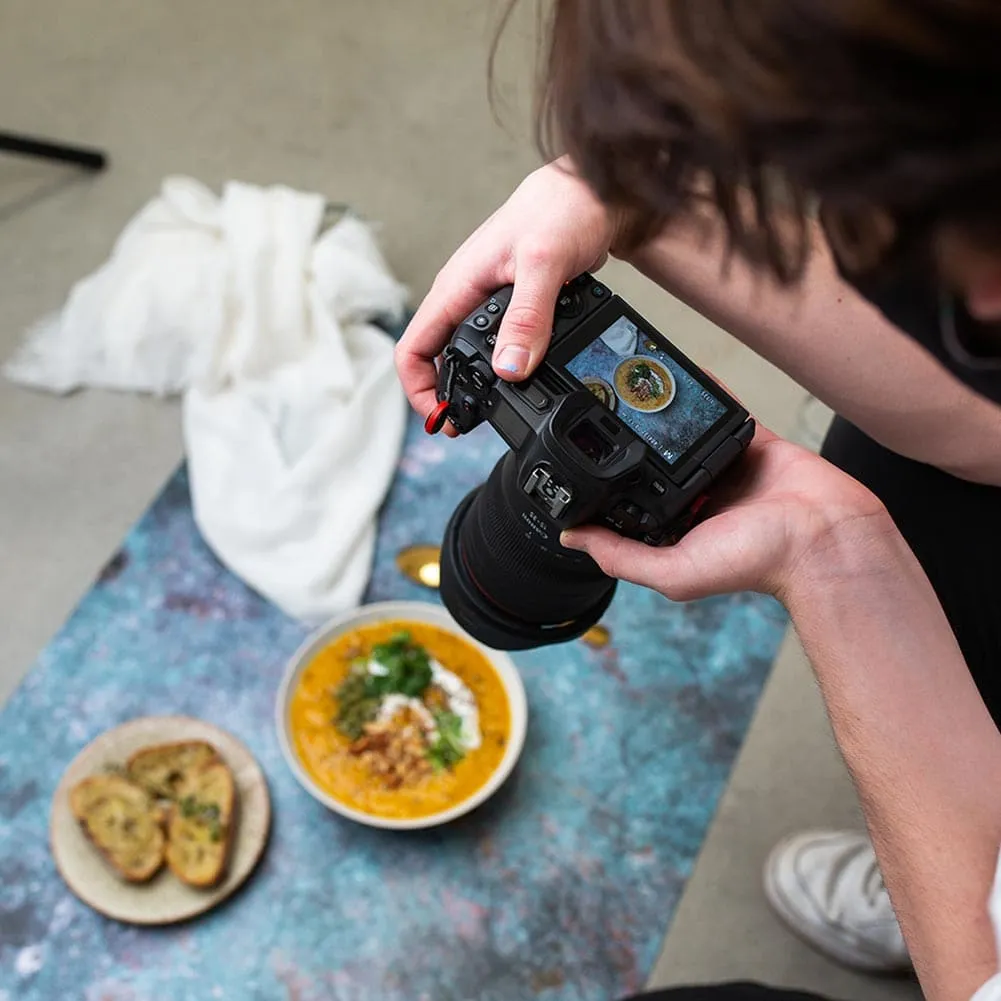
[[831, 948]]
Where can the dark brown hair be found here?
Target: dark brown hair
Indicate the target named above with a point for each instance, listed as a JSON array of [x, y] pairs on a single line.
[[885, 111]]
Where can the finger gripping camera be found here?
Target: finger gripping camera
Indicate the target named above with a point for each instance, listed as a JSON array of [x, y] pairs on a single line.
[[616, 427]]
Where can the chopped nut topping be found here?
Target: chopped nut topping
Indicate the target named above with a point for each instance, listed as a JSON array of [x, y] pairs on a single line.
[[394, 750]]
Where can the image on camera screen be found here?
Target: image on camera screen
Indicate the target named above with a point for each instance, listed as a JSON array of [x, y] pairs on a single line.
[[630, 372]]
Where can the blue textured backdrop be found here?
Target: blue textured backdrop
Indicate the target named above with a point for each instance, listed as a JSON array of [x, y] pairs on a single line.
[[560, 888]]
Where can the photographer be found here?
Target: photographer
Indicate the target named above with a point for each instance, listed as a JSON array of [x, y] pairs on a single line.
[[697, 137]]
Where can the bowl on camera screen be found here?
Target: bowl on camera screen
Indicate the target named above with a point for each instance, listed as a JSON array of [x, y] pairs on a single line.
[[644, 384]]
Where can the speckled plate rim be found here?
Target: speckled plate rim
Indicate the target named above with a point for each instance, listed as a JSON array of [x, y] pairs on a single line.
[[386, 611], [165, 899]]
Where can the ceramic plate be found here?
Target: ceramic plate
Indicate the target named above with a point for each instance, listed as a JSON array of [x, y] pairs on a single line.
[[164, 899]]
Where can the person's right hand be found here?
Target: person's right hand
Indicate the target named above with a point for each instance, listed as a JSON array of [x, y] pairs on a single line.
[[774, 525], [551, 229]]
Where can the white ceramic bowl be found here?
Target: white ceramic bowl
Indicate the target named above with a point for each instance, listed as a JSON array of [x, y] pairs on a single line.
[[413, 611]]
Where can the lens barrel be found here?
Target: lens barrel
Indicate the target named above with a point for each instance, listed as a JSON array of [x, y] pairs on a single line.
[[510, 584]]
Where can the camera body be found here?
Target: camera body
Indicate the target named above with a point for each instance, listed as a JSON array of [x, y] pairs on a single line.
[[615, 427]]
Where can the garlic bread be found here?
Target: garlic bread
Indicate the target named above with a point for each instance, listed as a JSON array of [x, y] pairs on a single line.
[[201, 827], [163, 769], [120, 819]]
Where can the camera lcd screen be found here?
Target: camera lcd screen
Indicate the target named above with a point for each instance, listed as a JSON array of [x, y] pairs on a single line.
[[634, 376]]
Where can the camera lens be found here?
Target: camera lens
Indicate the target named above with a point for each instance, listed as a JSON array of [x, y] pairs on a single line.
[[504, 575]]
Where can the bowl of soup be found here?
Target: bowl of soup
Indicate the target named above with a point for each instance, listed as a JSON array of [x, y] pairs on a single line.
[[393, 716], [644, 384]]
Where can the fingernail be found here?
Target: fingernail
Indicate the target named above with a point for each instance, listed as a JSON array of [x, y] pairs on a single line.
[[513, 359], [569, 541]]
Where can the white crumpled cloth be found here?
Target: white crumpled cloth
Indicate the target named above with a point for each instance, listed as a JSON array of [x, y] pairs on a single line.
[[293, 415]]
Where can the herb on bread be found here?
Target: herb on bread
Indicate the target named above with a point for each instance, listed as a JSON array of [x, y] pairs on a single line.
[[204, 813], [162, 769]]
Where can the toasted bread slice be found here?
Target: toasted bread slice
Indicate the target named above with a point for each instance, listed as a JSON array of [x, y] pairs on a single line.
[[119, 818], [163, 769], [202, 825]]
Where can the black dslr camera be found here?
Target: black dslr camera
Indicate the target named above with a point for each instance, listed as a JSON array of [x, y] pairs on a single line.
[[615, 427]]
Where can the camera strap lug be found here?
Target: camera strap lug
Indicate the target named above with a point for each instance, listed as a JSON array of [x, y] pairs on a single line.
[[436, 419]]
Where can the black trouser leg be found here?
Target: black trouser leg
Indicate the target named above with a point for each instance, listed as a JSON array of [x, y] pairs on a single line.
[[954, 529], [726, 992]]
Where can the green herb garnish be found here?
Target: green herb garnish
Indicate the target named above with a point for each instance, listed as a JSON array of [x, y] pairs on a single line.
[[640, 371], [408, 668], [407, 672], [355, 707], [447, 749]]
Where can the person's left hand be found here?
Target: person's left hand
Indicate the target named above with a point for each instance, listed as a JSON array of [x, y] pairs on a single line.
[[767, 524]]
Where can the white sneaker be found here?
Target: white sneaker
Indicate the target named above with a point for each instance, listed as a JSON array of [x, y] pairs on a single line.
[[827, 887]]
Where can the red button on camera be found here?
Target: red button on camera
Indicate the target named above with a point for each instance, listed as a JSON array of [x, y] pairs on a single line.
[[436, 419]]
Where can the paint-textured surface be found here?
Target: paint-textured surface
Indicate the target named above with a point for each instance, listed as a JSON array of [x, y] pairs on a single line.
[[560, 888]]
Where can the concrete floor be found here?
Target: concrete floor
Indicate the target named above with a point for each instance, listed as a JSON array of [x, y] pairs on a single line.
[[384, 106]]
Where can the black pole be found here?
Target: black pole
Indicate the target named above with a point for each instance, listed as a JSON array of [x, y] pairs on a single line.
[[80, 156]]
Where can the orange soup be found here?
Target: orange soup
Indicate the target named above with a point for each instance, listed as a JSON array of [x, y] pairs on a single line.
[[331, 757], [643, 384]]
